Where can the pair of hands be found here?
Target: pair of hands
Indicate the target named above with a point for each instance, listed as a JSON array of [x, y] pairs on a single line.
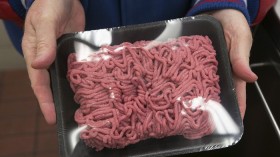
[[48, 20]]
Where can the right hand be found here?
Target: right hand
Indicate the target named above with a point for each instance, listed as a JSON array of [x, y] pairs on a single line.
[[46, 21], [239, 41]]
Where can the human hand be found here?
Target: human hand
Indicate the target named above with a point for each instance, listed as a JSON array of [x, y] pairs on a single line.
[[239, 41], [45, 22]]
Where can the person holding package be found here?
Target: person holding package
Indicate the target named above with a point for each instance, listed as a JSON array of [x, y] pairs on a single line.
[[45, 21]]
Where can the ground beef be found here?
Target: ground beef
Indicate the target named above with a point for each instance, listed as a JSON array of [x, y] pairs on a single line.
[[135, 91]]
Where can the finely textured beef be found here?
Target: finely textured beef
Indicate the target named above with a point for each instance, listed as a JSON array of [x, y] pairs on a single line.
[[131, 92]]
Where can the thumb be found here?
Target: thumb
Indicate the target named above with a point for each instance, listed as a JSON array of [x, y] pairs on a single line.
[[45, 44], [240, 46]]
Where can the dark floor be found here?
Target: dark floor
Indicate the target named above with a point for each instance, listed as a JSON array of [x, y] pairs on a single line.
[[23, 130]]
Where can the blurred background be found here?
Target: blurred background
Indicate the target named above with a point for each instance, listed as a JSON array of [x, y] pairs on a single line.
[[23, 130], [9, 58]]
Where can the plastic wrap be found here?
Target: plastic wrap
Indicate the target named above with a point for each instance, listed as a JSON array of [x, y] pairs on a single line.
[[155, 89]]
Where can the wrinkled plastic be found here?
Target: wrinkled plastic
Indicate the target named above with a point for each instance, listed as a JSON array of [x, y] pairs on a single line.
[[156, 89]]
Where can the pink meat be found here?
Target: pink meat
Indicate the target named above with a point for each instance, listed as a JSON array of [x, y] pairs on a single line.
[[140, 91]]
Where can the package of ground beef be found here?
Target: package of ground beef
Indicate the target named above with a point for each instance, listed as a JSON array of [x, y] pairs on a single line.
[[164, 88], [134, 91]]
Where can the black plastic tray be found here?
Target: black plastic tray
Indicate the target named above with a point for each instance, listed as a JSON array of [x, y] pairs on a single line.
[[65, 106]]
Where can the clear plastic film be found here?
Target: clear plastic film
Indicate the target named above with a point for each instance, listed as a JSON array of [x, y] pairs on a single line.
[[164, 88]]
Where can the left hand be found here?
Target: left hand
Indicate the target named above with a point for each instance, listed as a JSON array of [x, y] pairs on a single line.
[[239, 42], [46, 21]]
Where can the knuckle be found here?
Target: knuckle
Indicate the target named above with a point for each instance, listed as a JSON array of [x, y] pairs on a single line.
[[42, 45]]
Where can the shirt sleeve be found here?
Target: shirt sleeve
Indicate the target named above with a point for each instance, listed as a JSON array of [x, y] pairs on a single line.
[[259, 8], [200, 6], [13, 11], [253, 10]]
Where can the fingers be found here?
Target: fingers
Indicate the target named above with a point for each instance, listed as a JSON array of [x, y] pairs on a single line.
[[40, 84], [40, 81], [239, 41], [240, 87]]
